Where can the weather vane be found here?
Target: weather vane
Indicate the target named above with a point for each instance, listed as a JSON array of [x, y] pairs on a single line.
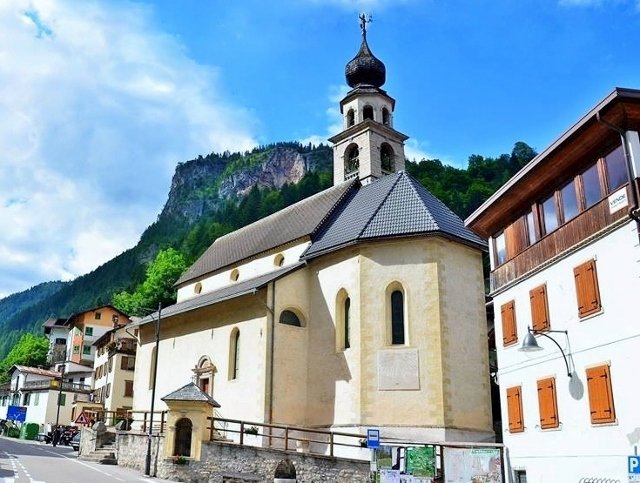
[[365, 18]]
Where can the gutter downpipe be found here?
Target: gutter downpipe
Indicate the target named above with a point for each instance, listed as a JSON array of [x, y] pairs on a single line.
[[632, 179], [272, 310]]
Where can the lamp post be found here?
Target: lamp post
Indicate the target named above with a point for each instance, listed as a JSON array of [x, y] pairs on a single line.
[[530, 344], [147, 463], [59, 395]]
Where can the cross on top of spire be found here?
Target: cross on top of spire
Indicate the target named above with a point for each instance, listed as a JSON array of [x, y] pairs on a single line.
[[365, 18]]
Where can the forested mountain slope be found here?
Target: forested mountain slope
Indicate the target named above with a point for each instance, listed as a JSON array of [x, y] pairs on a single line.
[[215, 194]]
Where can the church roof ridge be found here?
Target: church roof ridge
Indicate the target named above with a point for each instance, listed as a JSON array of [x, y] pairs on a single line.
[[291, 223]]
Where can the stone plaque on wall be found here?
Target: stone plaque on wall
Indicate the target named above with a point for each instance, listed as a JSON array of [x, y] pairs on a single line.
[[398, 370]]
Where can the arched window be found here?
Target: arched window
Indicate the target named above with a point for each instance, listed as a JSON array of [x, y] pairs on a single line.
[[234, 354], [347, 328], [204, 373], [182, 444], [352, 158], [397, 317], [287, 317], [351, 117], [386, 158], [367, 112], [343, 320], [386, 120]]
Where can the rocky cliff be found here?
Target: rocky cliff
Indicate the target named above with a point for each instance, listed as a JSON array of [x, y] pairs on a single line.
[[200, 185]]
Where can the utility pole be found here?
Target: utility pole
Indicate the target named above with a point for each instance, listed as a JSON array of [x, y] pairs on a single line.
[[147, 463]]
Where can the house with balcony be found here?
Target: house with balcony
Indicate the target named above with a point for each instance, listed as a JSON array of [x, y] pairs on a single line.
[[565, 271], [38, 390], [87, 327], [57, 331], [114, 369]]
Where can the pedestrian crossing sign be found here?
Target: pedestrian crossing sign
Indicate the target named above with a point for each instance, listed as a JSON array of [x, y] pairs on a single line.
[[81, 419]]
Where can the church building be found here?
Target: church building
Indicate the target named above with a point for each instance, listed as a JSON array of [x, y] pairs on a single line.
[[362, 306]]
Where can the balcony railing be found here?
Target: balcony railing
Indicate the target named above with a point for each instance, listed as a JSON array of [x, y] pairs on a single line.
[[55, 384]]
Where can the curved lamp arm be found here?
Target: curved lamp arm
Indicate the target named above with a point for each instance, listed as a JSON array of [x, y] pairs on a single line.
[[536, 332]]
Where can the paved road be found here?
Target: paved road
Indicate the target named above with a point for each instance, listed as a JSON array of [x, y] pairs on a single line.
[[30, 462]]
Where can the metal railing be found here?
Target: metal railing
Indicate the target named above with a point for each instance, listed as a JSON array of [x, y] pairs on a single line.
[[136, 420], [289, 438]]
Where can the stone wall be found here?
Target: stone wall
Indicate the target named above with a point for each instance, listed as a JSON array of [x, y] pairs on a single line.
[[231, 463]]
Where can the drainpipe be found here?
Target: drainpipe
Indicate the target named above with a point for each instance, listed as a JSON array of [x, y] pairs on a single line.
[[627, 158], [271, 350]]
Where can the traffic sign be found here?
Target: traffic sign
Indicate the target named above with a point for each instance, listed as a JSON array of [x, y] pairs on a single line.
[[373, 438], [81, 419], [17, 413]]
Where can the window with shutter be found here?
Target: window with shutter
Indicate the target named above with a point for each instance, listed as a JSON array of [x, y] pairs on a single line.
[[128, 388], [509, 332], [539, 308], [600, 395], [548, 403], [514, 409], [587, 291]]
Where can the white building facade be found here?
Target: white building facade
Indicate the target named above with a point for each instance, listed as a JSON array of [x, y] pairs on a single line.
[[565, 257]]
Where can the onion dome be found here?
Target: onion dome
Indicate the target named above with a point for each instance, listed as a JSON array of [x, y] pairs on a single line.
[[365, 69]]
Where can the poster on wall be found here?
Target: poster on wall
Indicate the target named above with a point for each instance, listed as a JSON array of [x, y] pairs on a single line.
[[421, 461], [472, 465], [389, 476]]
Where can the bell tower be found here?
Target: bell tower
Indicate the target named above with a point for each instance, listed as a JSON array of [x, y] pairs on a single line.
[[368, 146]]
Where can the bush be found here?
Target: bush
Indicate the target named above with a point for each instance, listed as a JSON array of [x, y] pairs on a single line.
[[31, 431], [13, 432]]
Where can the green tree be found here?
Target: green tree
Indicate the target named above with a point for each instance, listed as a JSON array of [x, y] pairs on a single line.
[[31, 350], [157, 288]]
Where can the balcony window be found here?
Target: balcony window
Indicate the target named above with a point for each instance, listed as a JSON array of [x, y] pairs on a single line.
[[570, 207], [616, 169], [549, 214], [591, 186]]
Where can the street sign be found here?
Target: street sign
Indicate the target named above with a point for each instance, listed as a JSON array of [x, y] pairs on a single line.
[[81, 419], [373, 438], [634, 468], [17, 413]]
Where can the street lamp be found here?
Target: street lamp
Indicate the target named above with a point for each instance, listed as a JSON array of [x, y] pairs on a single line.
[[530, 344], [59, 395], [147, 463]]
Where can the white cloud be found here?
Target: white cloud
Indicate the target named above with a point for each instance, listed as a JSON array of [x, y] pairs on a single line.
[[334, 118], [98, 106]]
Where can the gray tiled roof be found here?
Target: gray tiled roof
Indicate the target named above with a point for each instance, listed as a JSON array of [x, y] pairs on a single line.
[[289, 224], [234, 290], [190, 392], [395, 205]]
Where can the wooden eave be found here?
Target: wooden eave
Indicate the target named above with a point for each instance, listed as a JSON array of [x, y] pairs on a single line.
[[578, 147]]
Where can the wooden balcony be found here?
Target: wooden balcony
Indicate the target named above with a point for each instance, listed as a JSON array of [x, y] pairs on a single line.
[[55, 385], [580, 228]]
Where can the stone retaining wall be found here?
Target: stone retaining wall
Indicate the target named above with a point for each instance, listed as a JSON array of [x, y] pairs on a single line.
[[230, 463]]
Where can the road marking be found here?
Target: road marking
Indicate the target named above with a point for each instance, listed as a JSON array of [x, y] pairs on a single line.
[[81, 463]]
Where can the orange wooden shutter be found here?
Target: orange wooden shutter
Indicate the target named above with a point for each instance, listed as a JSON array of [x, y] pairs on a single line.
[[548, 403], [539, 308], [509, 332], [514, 409], [587, 291], [600, 395]]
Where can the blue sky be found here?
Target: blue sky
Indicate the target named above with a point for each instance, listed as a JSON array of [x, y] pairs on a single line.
[[101, 99]]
